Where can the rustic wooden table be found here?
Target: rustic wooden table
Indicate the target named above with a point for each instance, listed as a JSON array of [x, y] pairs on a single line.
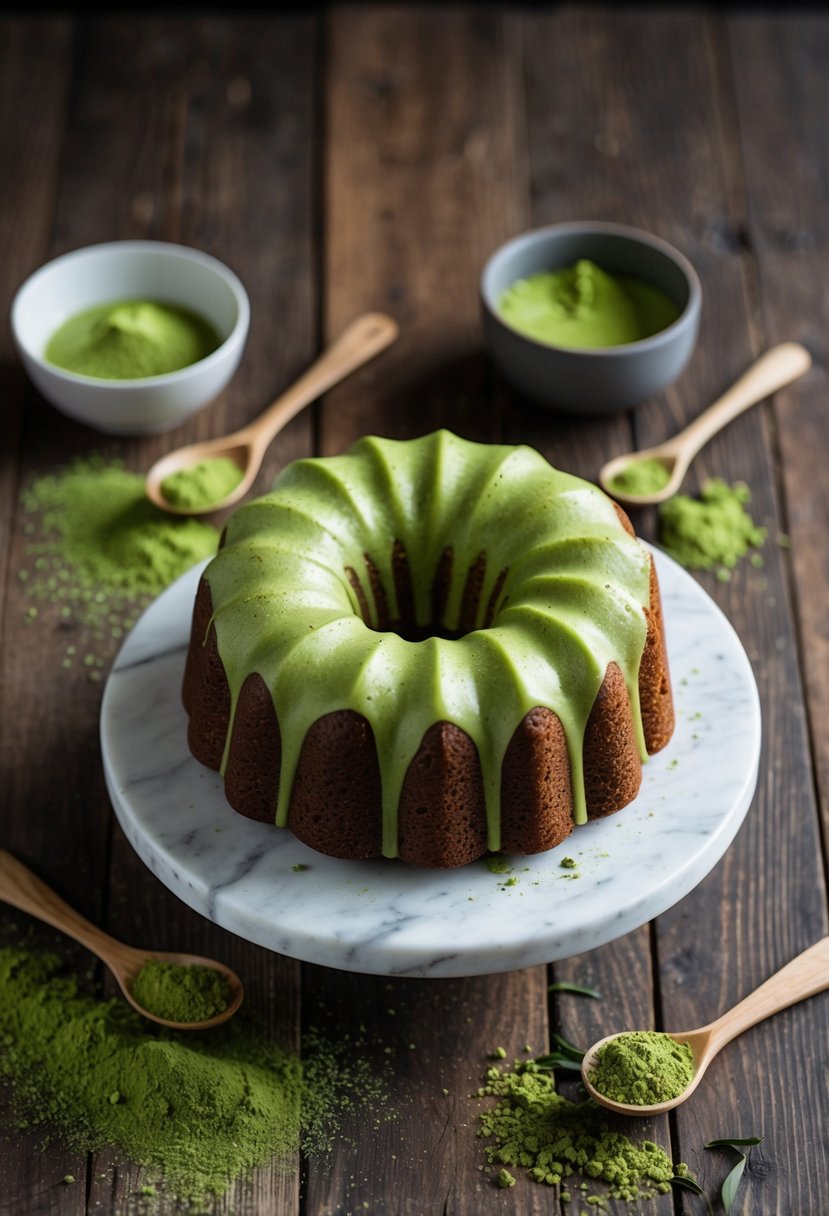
[[371, 157]]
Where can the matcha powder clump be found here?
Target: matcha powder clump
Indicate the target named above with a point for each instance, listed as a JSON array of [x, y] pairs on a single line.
[[714, 530], [533, 1126], [98, 547]]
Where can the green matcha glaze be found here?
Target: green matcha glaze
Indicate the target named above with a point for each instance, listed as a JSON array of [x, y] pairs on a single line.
[[572, 602], [583, 306], [131, 339]]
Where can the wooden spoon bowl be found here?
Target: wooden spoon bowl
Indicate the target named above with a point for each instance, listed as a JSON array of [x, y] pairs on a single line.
[[359, 342], [22, 889], [772, 371], [803, 977]]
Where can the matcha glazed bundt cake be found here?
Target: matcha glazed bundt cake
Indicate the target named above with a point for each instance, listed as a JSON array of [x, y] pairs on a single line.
[[428, 649]]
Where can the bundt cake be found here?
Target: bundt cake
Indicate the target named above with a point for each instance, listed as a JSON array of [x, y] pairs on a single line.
[[428, 649]]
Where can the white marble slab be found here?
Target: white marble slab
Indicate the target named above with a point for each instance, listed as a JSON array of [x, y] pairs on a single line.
[[386, 918]]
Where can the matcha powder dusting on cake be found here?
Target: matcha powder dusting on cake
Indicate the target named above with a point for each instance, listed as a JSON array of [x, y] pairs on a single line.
[[99, 548]]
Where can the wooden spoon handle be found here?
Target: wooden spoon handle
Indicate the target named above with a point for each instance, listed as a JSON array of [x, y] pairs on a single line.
[[359, 342], [774, 369], [804, 976], [20, 888]]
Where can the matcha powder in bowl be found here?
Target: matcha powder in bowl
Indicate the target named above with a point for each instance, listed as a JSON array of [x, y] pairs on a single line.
[[98, 548]]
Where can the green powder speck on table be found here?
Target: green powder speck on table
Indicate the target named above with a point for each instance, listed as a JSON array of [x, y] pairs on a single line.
[[197, 1109], [533, 1126], [98, 547], [710, 532]]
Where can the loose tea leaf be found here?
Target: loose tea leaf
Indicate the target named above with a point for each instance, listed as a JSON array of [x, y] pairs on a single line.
[[733, 1143], [687, 1182], [578, 989], [564, 1055], [732, 1182]]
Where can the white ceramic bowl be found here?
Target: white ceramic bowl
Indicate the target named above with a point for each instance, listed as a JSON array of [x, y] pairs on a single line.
[[123, 270]]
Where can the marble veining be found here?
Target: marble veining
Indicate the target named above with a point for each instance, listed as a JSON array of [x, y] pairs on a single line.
[[383, 917]]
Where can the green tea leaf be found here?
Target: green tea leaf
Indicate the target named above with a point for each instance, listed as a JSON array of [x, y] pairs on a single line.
[[556, 1060], [564, 1055], [728, 1143], [568, 1049], [732, 1182], [578, 989], [688, 1183]]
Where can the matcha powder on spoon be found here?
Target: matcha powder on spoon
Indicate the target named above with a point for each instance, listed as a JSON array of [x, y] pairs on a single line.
[[99, 548]]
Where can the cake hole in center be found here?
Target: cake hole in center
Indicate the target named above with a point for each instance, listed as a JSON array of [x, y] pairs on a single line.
[[405, 625]]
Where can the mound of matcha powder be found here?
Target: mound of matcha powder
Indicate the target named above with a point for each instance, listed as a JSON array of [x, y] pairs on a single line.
[[180, 993], [558, 1141], [203, 484], [642, 1068], [710, 532], [99, 548], [641, 477], [196, 1109]]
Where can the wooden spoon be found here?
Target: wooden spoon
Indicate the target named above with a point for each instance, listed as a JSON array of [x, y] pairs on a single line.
[[20, 887], [776, 368], [361, 341], [804, 976]]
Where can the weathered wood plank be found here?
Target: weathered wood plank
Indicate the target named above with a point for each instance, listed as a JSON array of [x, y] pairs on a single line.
[[619, 120], [423, 149], [198, 131], [422, 135], [771, 885], [782, 93], [35, 66]]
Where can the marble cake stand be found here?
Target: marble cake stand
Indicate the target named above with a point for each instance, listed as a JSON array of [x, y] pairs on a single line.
[[386, 918]]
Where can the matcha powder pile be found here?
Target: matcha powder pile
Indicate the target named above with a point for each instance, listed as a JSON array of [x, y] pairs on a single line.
[[198, 1110], [710, 532], [563, 1143], [100, 549]]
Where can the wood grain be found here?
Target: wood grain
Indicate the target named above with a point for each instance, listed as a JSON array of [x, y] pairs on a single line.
[[356, 157]]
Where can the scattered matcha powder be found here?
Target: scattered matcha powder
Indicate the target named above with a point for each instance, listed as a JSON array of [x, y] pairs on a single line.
[[100, 549], [180, 993], [198, 487], [641, 477], [710, 532], [533, 1126], [200, 1109], [568, 863], [642, 1068]]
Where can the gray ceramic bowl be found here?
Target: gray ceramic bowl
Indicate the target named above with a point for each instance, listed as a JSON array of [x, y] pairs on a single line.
[[602, 379]]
